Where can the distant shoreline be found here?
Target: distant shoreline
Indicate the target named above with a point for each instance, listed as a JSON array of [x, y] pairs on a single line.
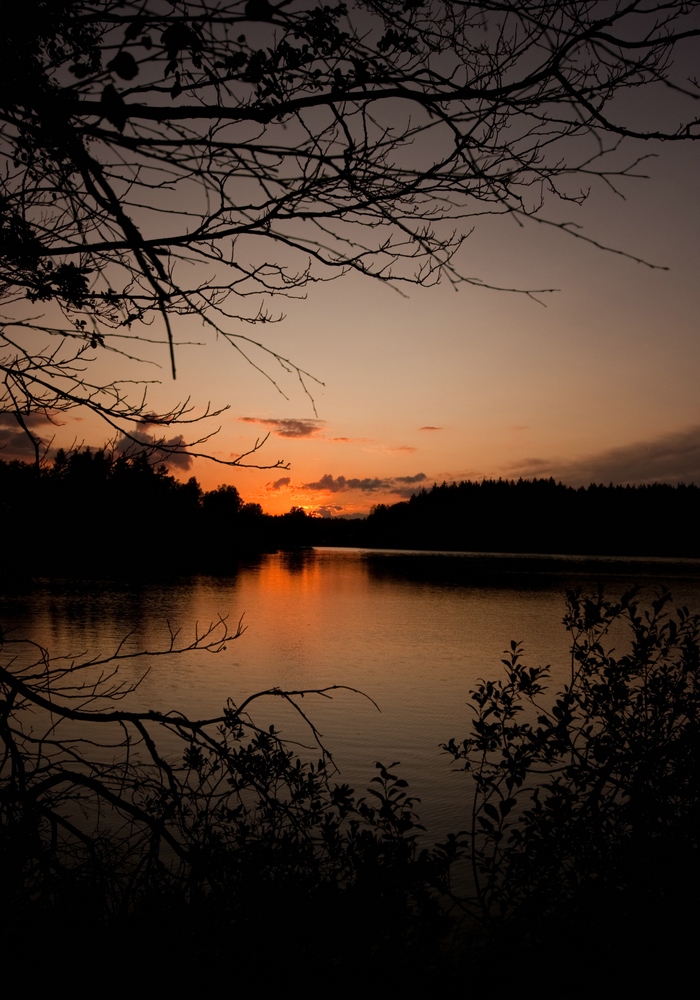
[[93, 512]]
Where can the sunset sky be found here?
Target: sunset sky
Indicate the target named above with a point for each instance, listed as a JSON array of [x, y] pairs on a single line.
[[597, 383]]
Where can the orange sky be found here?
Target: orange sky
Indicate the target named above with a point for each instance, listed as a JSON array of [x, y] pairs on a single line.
[[598, 383]]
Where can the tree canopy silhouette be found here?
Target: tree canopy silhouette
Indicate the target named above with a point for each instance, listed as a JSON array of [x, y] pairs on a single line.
[[193, 159], [541, 515]]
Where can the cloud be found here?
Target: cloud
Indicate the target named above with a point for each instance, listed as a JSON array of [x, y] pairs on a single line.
[[403, 448], [279, 483], [429, 428], [418, 478], [14, 442], [328, 510], [341, 484], [347, 440], [31, 420], [165, 451], [406, 491], [288, 427], [403, 491], [669, 458], [531, 466], [160, 450], [462, 475]]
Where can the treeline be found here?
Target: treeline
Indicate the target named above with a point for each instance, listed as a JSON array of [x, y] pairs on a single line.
[[99, 511], [543, 516]]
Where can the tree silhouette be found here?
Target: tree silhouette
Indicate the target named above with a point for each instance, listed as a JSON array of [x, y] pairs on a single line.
[[196, 159]]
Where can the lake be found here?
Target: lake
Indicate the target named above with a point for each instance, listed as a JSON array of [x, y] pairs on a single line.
[[413, 631]]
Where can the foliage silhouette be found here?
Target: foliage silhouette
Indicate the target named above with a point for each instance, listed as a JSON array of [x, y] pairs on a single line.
[[112, 820], [586, 815], [583, 844], [198, 159], [543, 516]]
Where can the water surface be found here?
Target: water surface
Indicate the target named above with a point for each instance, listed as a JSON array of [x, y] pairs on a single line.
[[414, 631]]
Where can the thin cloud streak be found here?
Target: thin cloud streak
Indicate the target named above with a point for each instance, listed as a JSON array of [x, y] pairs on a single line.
[[405, 492], [288, 427], [418, 478], [670, 458]]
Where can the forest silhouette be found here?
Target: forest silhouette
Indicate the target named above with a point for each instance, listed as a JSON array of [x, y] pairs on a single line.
[[107, 512]]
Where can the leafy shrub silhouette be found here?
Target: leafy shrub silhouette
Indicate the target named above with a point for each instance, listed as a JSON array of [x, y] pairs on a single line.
[[586, 812], [120, 826], [124, 822]]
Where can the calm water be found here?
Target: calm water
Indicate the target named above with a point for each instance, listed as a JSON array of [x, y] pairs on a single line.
[[412, 631]]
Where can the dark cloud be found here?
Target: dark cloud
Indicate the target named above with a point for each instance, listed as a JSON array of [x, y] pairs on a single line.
[[14, 442], [279, 483], [670, 458], [531, 466], [418, 478], [407, 449], [328, 510], [429, 428], [368, 485], [178, 459], [32, 420], [403, 491], [288, 427], [158, 449], [341, 484]]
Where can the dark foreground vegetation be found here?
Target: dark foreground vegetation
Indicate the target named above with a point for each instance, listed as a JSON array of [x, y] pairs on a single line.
[[110, 513], [137, 841]]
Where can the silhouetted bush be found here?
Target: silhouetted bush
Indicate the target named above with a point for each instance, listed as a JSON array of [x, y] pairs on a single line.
[[585, 836], [212, 832], [118, 826]]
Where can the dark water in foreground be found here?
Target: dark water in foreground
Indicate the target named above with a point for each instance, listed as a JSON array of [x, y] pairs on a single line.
[[414, 631]]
